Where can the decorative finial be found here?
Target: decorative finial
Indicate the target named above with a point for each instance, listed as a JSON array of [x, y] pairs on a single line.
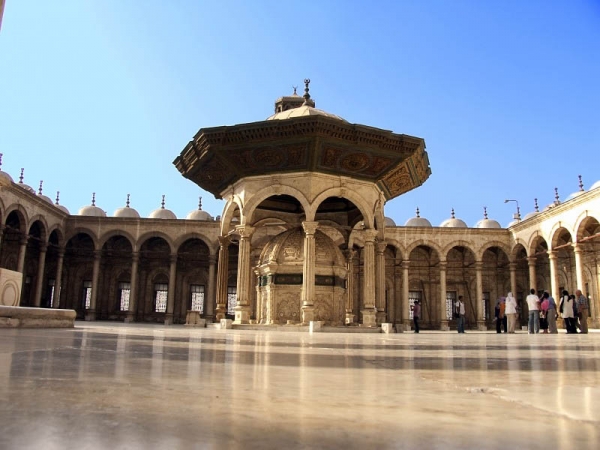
[[199, 203], [40, 189], [485, 212], [453, 213], [127, 202], [1, 161], [418, 216], [57, 197], [295, 87], [21, 177], [93, 199], [579, 176], [537, 208], [307, 100], [556, 197], [162, 204]]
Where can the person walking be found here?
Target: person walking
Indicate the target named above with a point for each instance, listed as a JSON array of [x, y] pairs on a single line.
[[551, 313], [511, 312], [500, 314], [460, 311], [568, 312], [416, 314], [533, 303], [545, 303], [582, 310]]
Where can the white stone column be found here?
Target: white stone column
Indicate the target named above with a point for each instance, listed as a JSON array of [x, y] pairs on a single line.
[[512, 267], [479, 296], [58, 280], [209, 312], [350, 255], [380, 282], [222, 277], [308, 272], [553, 276], [443, 317], [133, 288], [242, 310], [578, 267], [398, 292], [90, 314], [531, 261], [39, 280], [22, 251], [368, 313], [405, 293], [172, 286]]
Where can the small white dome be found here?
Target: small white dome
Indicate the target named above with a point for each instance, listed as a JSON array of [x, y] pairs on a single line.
[[453, 222], [127, 213], [417, 221], [46, 198], [162, 212], [514, 222], [92, 210], [487, 223], [302, 111], [26, 187], [63, 209], [530, 215], [389, 222], [199, 215], [5, 179], [596, 185], [575, 194]]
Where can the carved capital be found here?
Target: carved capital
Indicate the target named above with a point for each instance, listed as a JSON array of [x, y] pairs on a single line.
[[406, 264], [310, 227], [531, 260], [173, 258], [224, 241], [443, 265], [381, 246], [245, 231], [212, 259], [370, 235], [135, 257], [478, 265]]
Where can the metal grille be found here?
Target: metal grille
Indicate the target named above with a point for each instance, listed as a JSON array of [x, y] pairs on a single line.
[[124, 294], [413, 296], [231, 300], [197, 293], [161, 292], [87, 294], [450, 302], [486, 305]]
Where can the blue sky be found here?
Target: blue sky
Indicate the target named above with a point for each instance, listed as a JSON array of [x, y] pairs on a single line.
[[101, 96]]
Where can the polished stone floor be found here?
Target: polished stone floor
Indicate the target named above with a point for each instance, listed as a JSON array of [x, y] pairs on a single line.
[[116, 386]]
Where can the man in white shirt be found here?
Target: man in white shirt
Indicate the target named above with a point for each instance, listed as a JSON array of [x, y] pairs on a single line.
[[533, 303], [460, 310]]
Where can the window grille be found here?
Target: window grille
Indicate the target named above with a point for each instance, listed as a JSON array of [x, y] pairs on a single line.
[[413, 296], [51, 284], [450, 302], [197, 294], [161, 292], [486, 305], [124, 294], [87, 294], [231, 300]]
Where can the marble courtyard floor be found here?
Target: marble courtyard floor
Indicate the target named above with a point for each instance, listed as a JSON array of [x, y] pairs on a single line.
[[116, 386]]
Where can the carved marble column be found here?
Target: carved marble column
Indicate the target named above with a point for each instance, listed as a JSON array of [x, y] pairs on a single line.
[[22, 251], [39, 280], [209, 312], [133, 288], [554, 276], [398, 293], [405, 293], [578, 267], [512, 267], [242, 310], [308, 272], [172, 286], [479, 296], [350, 255], [443, 317], [222, 277], [369, 312], [531, 261], [90, 314], [380, 283], [58, 280]]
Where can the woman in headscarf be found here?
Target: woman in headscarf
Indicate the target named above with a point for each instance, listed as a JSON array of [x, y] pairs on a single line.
[[511, 312], [567, 312]]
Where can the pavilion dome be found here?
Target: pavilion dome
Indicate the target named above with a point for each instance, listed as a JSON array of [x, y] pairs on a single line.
[[453, 222], [303, 111], [389, 222], [198, 214], [126, 212], [486, 222], [162, 212], [418, 221], [92, 210]]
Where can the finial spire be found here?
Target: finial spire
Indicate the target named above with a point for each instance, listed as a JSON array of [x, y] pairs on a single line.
[[485, 216], [57, 197], [453, 214], [418, 212], [295, 87], [307, 100], [556, 197], [93, 199], [162, 204], [200, 203], [21, 177], [579, 176], [1, 154], [127, 202], [40, 188], [537, 208]]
